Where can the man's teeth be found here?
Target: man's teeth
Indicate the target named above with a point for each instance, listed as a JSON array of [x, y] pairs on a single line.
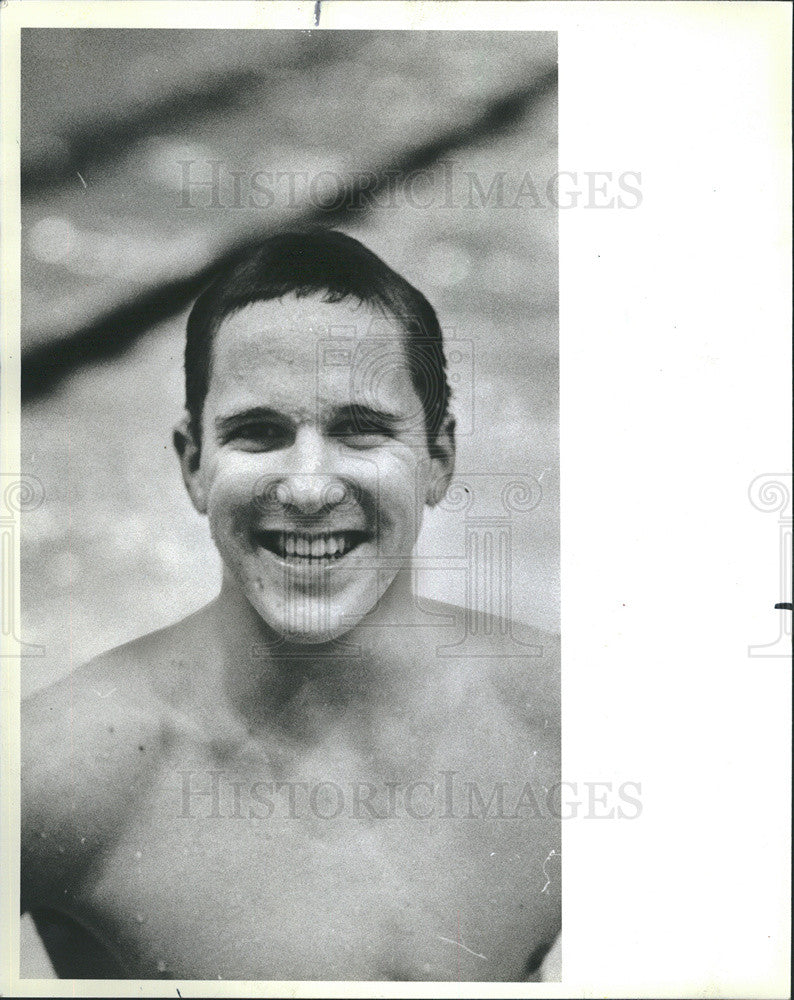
[[326, 546]]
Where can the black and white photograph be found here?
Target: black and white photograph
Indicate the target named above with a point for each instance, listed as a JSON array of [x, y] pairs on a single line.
[[396, 554], [290, 300]]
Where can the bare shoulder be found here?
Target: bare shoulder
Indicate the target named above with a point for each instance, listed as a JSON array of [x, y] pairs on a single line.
[[498, 697], [526, 676], [514, 665], [524, 697], [91, 744]]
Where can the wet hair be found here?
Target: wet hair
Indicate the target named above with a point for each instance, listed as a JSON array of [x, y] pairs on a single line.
[[337, 268]]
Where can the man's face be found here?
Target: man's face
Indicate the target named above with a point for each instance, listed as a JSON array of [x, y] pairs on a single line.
[[314, 466]]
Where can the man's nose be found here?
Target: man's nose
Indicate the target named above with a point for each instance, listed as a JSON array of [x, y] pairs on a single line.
[[309, 483]]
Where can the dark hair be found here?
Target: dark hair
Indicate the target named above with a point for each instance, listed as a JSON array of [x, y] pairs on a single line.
[[337, 267]]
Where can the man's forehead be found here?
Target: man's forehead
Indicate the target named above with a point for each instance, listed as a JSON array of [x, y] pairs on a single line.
[[307, 319], [333, 351], [308, 335]]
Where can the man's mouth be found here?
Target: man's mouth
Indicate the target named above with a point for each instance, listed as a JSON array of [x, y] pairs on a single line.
[[300, 547]]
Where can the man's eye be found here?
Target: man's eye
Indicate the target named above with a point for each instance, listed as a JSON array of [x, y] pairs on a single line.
[[264, 435]]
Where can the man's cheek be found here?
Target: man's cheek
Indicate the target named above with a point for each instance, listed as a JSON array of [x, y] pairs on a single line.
[[233, 489], [399, 520]]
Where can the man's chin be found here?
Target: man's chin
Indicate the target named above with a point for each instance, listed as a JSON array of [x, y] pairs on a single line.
[[308, 639], [311, 626], [302, 616]]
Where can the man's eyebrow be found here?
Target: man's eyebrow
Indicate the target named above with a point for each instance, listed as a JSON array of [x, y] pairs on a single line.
[[358, 412], [367, 414], [253, 413]]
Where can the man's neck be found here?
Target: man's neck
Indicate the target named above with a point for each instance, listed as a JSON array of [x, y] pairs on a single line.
[[269, 681]]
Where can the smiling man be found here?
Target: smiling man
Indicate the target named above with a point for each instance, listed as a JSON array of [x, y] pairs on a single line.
[[298, 781]]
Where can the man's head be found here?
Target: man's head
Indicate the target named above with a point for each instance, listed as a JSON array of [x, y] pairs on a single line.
[[336, 268], [316, 428]]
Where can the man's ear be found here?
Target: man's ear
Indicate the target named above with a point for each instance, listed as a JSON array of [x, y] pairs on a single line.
[[442, 462], [189, 452]]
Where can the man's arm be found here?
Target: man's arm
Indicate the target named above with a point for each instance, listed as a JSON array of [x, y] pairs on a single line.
[[82, 771], [89, 744]]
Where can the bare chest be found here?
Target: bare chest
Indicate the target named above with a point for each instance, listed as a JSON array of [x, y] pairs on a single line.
[[233, 873]]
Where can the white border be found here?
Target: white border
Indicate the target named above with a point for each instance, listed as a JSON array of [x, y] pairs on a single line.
[[675, 395]]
